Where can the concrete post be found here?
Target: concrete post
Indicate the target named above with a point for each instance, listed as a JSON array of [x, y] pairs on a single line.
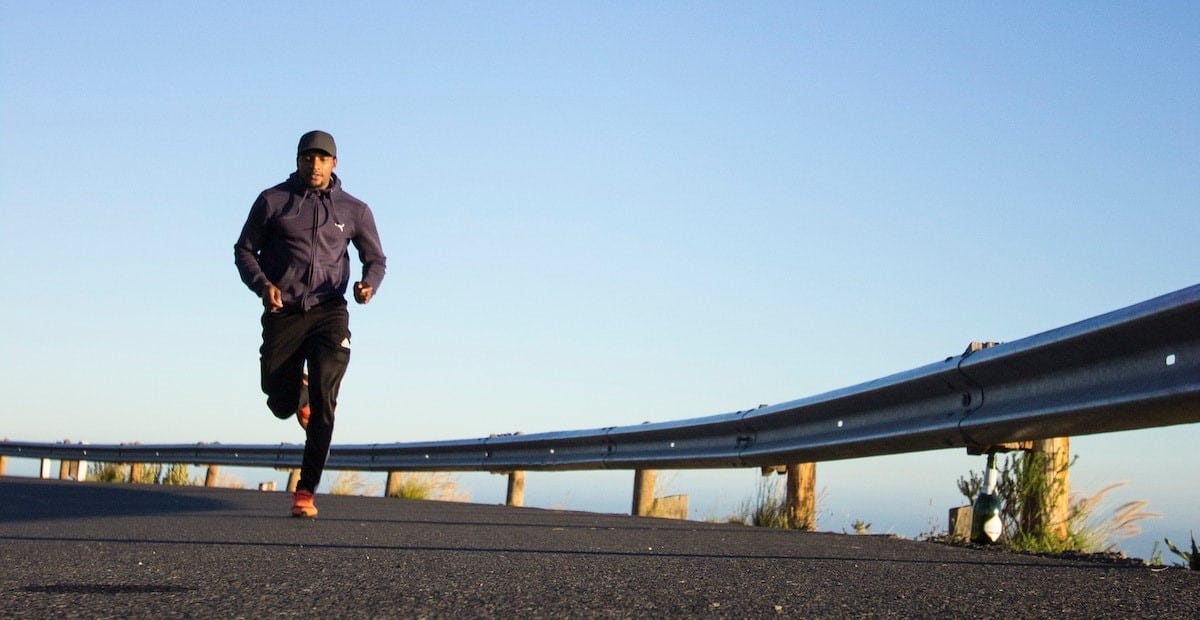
[[643, 491], [801, 496], [516, 489]]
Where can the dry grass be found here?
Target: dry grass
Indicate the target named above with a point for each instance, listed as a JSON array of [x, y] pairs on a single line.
[[352, 483], [429, 485], [767, 508], [1094, 536]]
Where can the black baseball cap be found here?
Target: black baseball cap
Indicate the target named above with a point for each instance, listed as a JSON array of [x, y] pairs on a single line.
[[317, 141]]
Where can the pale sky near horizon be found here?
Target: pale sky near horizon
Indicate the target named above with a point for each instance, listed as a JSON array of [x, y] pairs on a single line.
[[595, 214]]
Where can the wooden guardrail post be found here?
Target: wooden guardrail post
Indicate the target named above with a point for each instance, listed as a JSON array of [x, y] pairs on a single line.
[[1052, 510], [645, 504], [670, 507], [69, 470], [135, 473], [516, 489], [391, 488], [801, 496], [644, 481], [960, 523], [210, 476], [3, 464], [64, 465], [293, 480]]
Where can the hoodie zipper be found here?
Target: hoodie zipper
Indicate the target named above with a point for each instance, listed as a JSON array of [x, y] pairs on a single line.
[[321, 199]]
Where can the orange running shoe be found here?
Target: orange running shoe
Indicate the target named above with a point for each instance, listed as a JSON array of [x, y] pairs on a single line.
[[302, 504], [304, 411]]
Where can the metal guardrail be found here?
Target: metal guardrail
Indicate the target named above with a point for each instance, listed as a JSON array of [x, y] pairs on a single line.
[[1138, 367]]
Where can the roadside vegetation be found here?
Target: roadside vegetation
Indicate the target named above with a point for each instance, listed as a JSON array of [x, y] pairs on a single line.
[[768, 507], [352, 483], [176, 474], [1191, 559], [125, 472], [1028, 490], [429, 485]]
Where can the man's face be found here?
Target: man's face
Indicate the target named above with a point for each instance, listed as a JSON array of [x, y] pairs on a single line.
[[315, 168]]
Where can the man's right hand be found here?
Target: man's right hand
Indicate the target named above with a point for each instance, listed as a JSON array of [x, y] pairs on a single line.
[[272, 298]]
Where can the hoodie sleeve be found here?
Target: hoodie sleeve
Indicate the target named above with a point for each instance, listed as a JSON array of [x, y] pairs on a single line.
[[249, 244], [370, 250]]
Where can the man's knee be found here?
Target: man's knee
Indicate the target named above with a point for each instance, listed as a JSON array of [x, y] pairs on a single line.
[[283, 406]]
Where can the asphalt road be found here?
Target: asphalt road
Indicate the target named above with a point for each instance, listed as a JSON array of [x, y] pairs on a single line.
[[90, 550]]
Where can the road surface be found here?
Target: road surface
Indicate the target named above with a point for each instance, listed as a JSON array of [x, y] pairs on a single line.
[[91, 550]]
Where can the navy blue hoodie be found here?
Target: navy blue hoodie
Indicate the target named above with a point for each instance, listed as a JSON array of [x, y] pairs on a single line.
[[297, 238]]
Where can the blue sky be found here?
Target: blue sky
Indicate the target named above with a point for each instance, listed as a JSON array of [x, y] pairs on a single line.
[[596, 213]]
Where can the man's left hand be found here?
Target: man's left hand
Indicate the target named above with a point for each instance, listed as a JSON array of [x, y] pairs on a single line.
[[363, 292]]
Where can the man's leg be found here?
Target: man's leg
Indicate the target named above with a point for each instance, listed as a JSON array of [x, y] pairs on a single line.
[[328, 351], [282, 361]]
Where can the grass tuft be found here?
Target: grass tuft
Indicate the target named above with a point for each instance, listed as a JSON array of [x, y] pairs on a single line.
[[352, 483], [1192, 559], [428, 485]]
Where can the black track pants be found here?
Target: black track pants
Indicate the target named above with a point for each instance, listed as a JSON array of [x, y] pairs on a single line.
[[320, 337]]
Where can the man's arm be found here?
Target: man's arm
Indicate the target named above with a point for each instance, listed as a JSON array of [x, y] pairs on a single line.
[[370, 253], [246, 249]]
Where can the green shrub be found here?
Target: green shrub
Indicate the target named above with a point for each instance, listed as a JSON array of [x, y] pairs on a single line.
[[1191, 560]]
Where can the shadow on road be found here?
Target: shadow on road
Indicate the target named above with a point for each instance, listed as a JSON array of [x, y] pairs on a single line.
[[35, 500]]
